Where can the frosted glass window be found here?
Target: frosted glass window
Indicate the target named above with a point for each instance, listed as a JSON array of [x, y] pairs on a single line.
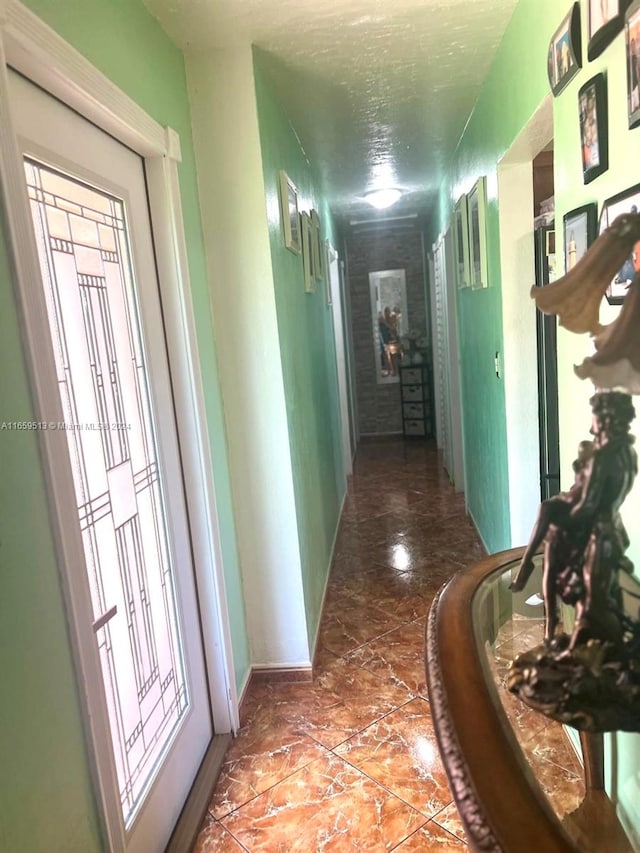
[[108, 421]]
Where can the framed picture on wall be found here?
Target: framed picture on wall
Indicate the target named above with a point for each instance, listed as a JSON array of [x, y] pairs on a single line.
[[461, 242], [592, 104], [606, 20], [632, 40], [580, 228], [628, 201], [565, 51], [476, 219], [289, 213], [306, 233]]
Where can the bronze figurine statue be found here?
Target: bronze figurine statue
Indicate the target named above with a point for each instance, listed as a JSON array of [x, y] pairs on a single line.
[[590, 678], [554, 526]]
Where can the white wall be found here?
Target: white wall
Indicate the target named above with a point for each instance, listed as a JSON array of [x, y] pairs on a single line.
[[519, 359], [232, 199]]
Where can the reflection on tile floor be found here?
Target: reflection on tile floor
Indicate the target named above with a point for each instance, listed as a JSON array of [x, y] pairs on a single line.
[[543, 742], [350, 761]]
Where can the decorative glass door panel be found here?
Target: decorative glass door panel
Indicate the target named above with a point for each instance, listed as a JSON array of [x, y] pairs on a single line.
[[85, 258], [116, 482]]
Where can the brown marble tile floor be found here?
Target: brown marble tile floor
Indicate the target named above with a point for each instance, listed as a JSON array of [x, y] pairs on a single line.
[[349, 762]]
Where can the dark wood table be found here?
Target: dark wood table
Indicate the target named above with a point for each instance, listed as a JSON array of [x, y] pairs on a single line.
[[495, 786]]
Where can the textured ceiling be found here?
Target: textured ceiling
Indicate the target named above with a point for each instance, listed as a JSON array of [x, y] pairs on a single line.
[[379, 91]]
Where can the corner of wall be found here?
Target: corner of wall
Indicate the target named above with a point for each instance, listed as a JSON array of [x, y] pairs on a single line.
[[231, 187]]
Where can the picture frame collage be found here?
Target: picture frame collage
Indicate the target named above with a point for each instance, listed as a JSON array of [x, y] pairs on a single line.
[[302, 235], [606, 19], [470, 237]]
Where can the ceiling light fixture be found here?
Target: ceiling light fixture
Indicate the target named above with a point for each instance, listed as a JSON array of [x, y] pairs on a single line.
[[382, 198]]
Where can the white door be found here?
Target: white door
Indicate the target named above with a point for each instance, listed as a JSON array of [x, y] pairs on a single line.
[[341, 358], [441, 377], [343, 285], [457, 452], [88, 201]]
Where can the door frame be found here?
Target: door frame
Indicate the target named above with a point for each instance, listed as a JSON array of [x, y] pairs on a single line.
[[32, 48], [455, 394], [439, 332], [333, 271], [349, 354], [517, 262]]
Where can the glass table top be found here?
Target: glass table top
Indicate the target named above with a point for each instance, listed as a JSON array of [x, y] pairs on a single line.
[[506, 624]]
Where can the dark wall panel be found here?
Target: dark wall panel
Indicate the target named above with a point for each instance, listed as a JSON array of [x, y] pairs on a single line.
[[379, 405]]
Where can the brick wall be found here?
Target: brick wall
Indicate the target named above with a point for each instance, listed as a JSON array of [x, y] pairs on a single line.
[[379, 405]]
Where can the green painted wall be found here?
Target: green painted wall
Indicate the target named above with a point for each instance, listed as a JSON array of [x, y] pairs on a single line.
[[45, 793], [308, 355], [502, 109], [514, 89]]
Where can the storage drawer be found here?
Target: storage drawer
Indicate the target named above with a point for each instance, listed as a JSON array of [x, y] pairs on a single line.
[[414, 427], [412, 376], [412, 393], [413, 410]]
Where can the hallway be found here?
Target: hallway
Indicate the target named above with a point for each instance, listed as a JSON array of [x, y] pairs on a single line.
[[350, 762], [262, 132]]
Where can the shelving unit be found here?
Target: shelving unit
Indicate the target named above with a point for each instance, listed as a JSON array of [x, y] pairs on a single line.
[[417, 400]]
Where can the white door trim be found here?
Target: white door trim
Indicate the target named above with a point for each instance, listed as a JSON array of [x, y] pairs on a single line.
[[333, 272], [517, 262], [36, 51], [455, 398], [39, 53], [438, 309]]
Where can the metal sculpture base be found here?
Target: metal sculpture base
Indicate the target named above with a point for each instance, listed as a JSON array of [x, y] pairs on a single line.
[[593, 688], [589, 679]]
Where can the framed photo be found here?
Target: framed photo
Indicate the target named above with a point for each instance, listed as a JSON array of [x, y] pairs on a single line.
[[565, 51], [606, 20], [580, 229], [592, 102], [627, 201], [476, 219], [289, 213], [632, 39], [306, 232], [461, 242], [317, 264]]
